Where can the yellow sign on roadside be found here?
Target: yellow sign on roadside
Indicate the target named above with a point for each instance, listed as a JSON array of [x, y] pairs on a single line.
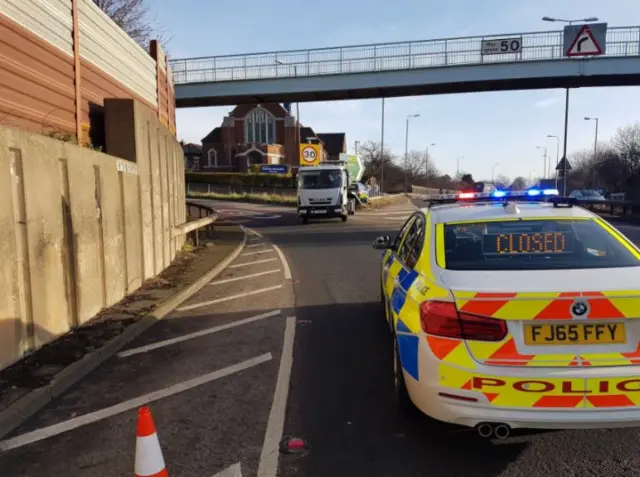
[[310, 154]]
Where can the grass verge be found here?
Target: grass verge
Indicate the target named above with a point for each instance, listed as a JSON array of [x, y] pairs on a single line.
[[383, 201], [260, 198]]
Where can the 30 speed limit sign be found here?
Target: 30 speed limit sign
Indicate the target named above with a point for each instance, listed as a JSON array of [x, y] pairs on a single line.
[[309, 155]]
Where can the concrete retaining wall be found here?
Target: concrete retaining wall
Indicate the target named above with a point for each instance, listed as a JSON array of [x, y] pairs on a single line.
[[80, 229]]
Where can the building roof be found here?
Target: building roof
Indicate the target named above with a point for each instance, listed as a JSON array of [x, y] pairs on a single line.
[[306, 132], [214, 136], [334, 143], [191, 148]]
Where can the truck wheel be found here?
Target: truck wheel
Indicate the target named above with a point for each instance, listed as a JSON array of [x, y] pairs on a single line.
[[305, 220], [344, 218]]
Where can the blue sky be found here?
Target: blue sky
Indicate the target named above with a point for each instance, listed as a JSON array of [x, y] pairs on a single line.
[[484, 128]]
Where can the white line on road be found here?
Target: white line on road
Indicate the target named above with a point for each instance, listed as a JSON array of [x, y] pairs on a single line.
[[250, 231], [197, 334], [246, 254], [243, 277], [268, 466], [105, 413], [285, 264], [255, 245], [245, 264], [227, 298], [283, 259], [232, 471]]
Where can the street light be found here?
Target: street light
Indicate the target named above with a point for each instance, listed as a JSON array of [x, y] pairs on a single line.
[[493, 173], [406, 151], [557, 155], [544, 169], [566, 105], [295, 73], [458, 160], [426, 166], [595, 146], [382, 149]]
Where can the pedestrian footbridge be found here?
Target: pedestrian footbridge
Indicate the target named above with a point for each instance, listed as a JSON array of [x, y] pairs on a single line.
[[450, 65]]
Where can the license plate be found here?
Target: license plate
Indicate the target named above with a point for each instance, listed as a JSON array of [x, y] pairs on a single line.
[[320, 212], [575, 334]]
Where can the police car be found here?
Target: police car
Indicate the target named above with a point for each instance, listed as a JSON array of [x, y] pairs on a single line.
[[514, 310]]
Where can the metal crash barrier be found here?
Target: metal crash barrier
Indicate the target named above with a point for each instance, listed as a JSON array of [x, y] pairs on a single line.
[[198, 217]]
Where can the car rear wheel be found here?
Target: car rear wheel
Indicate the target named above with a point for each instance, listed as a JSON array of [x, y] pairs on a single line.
[[401, 395]]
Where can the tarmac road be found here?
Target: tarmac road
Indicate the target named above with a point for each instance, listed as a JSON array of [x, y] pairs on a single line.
[[340, 395]]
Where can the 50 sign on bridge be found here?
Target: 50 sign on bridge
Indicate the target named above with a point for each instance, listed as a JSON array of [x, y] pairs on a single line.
[[501, 46]]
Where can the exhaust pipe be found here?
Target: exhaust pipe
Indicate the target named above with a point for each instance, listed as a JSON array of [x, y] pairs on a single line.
[[485, 429], [501, 431]]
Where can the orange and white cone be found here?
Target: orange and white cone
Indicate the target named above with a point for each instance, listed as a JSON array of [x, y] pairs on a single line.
[[149, 460]]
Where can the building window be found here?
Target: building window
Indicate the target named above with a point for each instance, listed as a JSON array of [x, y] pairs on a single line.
[[196, 163], [260, 127], [212, 158]]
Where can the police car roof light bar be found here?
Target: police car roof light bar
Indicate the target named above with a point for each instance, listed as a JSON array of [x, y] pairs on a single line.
[[531, 195]]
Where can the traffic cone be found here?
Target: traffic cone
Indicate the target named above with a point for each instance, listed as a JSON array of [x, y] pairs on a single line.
[[149, 460]]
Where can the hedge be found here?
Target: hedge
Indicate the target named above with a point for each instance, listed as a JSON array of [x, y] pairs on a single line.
[[241, 179]]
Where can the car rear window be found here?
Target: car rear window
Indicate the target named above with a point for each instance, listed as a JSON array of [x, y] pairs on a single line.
[[533, 245]]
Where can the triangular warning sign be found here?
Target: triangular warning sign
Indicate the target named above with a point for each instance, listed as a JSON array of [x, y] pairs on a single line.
[[560, 166], [584, 44]]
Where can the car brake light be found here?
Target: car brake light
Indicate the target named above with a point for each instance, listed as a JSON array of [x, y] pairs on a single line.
[[441, 318], [467, 195]]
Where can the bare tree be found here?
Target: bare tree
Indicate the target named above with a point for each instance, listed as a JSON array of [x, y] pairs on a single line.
[[501, 181], [134, 18], [519, 183]]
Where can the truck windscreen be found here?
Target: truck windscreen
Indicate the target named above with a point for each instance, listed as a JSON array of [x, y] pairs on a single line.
[[320, 179]]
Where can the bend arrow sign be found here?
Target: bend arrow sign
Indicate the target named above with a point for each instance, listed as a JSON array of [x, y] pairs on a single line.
[[585, 40]]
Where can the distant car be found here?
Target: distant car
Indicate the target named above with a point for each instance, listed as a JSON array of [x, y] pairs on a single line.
[[361, 190], [586, 194], [513, 311]]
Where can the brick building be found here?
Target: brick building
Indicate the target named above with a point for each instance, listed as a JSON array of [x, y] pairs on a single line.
[[258, 134]]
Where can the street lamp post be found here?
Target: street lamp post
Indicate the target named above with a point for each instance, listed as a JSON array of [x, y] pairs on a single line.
[[382, 149], [426, 166], [557, 155], [295, 73], [458, 161], [595, 147], [544, 168], [406, 152], [493, 173], [566, 107]]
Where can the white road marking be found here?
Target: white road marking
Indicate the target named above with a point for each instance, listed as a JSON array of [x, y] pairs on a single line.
[[253, 237], [283, 259], [227, 298], [255, 245], [257, 234], [243, 277], [285, 264], [65, 426], [268, 465], [233, 471], [246, 254], [197, 334], [246, 264]]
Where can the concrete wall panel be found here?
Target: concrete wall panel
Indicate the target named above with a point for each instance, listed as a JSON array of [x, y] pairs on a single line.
[[79, 229]]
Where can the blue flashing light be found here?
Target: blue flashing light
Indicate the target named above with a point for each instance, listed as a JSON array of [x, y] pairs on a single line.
[[499, 193], [533, 192]]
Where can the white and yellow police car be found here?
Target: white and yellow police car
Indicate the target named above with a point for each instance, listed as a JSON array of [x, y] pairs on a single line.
[[514, 310]]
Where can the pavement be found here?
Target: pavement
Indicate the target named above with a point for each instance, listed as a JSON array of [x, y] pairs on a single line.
[[339, 387]]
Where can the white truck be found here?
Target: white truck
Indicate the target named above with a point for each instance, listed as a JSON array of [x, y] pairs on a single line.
[[323, 191]]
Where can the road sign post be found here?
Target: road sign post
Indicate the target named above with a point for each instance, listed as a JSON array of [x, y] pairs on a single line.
[[585, 40]]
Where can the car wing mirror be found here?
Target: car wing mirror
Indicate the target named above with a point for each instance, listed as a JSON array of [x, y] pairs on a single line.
[[382, 243]]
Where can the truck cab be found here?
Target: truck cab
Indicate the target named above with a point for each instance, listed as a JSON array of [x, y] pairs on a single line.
[[323, 192]]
